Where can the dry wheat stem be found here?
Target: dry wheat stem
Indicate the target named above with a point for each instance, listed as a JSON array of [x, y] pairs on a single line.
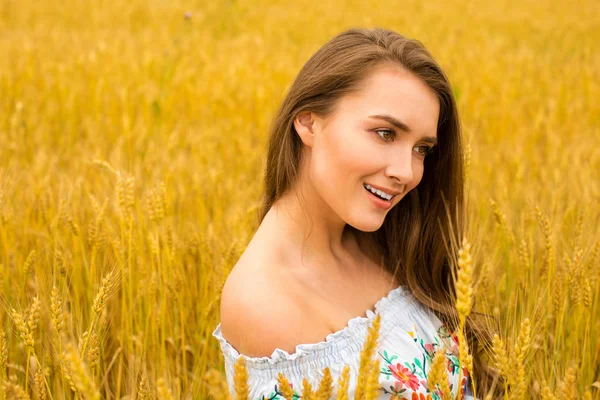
[[325, 386], [343, 383], [366, 356], [240, 380], [284, 387]]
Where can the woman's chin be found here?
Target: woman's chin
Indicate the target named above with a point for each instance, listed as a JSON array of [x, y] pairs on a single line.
[[369, 226]]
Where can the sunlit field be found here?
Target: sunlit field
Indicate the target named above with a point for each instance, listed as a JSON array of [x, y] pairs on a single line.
[[132, 141]]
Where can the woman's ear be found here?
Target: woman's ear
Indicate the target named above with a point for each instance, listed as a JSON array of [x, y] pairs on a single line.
[[304, 125]]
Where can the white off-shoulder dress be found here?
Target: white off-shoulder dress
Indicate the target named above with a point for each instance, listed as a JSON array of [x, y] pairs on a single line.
[[409, 336]]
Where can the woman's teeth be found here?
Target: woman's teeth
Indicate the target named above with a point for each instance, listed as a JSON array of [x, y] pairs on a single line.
[[379, 193]]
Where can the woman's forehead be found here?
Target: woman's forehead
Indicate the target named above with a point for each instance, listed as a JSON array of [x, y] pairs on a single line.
[[398, 93]]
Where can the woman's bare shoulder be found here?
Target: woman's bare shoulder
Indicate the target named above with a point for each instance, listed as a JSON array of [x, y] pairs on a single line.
[[261, 310]]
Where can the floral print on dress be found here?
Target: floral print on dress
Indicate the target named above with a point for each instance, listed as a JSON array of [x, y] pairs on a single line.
[[277, 395], [408, 379]]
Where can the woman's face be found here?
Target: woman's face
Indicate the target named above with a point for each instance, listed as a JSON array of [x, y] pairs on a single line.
[[378, 136]]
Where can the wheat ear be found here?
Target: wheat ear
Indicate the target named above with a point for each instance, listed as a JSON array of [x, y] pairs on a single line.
[[325, 386], [366, 356], [240, 380], [437, 375], [285, 388], [343, 383]]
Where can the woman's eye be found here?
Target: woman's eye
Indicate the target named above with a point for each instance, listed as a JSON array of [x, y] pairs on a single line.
[[386, 131], [421, 150], [424, 150]]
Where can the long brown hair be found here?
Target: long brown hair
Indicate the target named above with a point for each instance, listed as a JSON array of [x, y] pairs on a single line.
[[414, 238]]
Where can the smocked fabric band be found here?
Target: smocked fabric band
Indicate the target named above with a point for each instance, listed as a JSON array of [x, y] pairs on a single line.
[[336, 347]]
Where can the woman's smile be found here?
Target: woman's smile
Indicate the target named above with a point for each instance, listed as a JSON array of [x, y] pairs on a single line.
[[379, 201]]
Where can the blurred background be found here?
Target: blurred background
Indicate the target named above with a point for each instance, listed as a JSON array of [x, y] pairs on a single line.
[[132, 142]]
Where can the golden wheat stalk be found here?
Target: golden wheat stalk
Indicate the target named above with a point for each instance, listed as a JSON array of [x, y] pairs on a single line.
[[343, 384], [372, 387], [65, 370], [464, 290], [3, 362], [567, 388], [467, 161], [546, 393], [29, 262], [80, 374], [125, 196], [216, 385], [23, 328], [501, 360], [240, 380], [98, 305], [464, 300], [548, 266], [57, 315], [34, 314], [105, 165], [325, 386], [26, 335], [438, 376], [73, 227], [40, 388], [143, 391], [307, 391], [284, 387], [164, 393], [518, 359], [13, 390], [502, 222], [93, 352], [465, 358], [366, 356], [3, 354]]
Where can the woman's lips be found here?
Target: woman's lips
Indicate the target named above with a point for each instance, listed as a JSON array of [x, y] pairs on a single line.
[[379, 202]]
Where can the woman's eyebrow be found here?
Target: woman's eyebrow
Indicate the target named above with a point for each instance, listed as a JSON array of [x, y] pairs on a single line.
[[401, 125], [396, 122]]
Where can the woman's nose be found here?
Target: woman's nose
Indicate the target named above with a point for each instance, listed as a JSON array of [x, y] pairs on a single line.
[[400, 166]]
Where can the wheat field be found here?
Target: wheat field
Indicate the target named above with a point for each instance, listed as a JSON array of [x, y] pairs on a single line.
[[131, 158]]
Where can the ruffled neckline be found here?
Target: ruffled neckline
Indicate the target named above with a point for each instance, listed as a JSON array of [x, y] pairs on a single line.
[[355, 325]]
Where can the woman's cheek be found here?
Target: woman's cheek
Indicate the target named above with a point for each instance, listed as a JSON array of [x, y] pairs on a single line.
[[364, 151], [418, 169]]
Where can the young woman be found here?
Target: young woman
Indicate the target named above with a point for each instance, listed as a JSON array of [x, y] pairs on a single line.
[[363, 194]]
